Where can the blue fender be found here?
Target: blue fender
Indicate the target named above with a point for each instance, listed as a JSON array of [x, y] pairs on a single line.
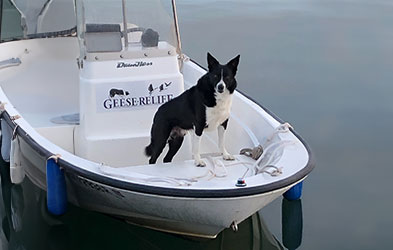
[[56, 190], [294, 192]]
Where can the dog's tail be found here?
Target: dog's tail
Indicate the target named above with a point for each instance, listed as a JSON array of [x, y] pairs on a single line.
[[149, 150]]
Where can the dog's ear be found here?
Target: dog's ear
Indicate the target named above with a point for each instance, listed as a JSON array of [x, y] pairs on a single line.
[[234, 63], [211, 61]]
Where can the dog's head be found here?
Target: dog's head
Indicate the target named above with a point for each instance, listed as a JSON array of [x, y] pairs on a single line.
[[222, 76]]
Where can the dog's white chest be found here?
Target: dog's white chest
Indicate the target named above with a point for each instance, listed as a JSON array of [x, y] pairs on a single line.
[[216, 115]]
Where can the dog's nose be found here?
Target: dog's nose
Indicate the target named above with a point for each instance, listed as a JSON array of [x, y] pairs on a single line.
[[220, 88]]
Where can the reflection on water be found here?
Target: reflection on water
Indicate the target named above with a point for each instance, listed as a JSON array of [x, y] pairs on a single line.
[[292, 223], [26, 224]]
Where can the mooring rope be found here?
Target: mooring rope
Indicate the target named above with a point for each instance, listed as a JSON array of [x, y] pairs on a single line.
[[260, 152]]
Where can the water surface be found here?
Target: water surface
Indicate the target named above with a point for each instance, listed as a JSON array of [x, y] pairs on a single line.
[[326, 67]]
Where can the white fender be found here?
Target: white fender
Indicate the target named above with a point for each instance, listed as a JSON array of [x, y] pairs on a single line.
[[17, 173], [6, 134]]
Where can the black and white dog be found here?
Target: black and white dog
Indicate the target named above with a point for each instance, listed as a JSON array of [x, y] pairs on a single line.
[[205, 106]]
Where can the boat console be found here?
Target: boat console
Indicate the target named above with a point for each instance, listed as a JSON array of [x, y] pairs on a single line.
[[126, 71]]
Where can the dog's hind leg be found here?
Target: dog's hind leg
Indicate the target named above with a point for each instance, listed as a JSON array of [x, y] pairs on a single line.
[[174, 146], [175, 141], [157, 150], [160, 138]]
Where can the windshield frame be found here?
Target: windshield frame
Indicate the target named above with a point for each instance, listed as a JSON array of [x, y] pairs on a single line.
[[165, 32], [72, 31]]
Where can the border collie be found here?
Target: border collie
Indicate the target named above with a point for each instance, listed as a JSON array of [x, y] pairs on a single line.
[[205, 106]]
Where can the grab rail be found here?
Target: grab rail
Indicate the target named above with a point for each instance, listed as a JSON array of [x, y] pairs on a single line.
[[10, 63]]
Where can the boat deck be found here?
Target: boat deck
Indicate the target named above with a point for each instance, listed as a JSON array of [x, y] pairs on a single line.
[[217, 173]]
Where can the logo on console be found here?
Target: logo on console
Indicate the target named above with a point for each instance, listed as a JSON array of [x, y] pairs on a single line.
[[120, 99], [137, 64], [161, 87], [118, 92]]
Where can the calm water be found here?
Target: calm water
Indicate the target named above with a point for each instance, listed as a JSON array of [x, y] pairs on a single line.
[[326, 67]]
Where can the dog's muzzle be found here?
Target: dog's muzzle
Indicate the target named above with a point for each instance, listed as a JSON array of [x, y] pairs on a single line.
[[220, 87]]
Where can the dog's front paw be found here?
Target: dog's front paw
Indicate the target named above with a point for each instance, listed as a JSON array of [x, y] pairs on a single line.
[[200, 163], [228, 157]]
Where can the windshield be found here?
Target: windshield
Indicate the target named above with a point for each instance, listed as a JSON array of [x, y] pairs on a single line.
[[116, 25], [26, 19], [21, 19]]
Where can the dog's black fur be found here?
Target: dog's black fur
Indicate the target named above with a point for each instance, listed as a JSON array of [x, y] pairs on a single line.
[[188, 111]]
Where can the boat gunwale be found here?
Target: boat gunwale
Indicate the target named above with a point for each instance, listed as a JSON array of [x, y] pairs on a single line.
[[174, 192]]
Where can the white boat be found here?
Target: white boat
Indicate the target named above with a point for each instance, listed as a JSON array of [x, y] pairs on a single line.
[[86, 103]]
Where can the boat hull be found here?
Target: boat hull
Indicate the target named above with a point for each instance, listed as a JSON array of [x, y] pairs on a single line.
[[200, 217]]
